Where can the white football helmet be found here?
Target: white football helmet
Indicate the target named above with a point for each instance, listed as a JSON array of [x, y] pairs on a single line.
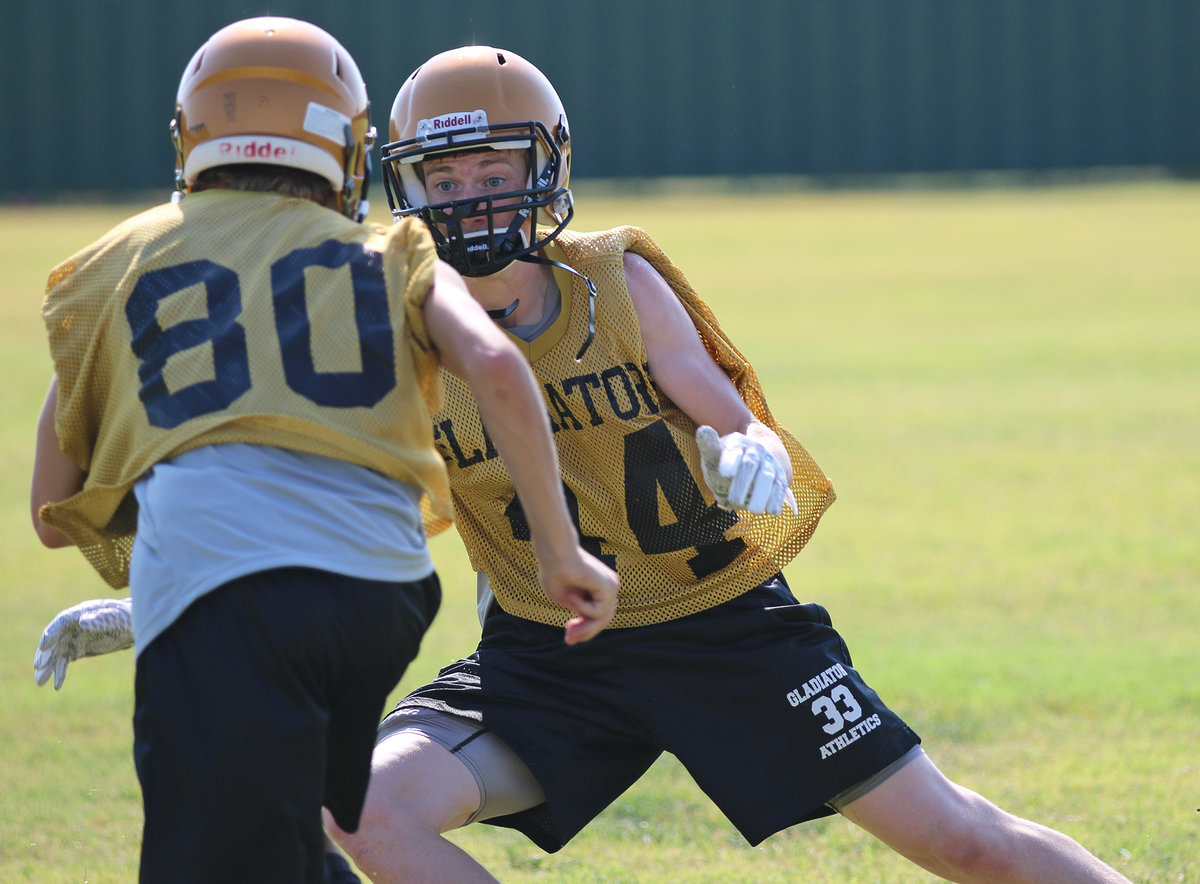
[[275, 91]]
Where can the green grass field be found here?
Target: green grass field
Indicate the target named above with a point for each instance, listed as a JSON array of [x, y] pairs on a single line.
[[1004, 386]]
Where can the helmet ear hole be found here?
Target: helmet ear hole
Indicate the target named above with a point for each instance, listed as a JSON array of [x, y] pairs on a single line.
[[473, 98]]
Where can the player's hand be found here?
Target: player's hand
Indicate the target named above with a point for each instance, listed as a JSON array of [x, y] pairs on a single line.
[[588, 589], [742, 473], [97, 626]]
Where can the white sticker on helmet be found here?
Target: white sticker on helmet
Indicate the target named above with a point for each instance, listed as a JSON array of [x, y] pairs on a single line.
[[434, 128], [273, 150], [326, 122]]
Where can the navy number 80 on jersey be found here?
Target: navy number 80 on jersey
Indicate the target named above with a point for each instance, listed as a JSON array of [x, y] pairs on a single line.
[[226, 340]]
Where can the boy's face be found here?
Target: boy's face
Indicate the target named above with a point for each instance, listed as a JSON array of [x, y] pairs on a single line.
[[484, 173]]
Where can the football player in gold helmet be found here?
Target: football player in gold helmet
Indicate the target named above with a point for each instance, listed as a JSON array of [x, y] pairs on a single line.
[[678, 475], [240, 429]]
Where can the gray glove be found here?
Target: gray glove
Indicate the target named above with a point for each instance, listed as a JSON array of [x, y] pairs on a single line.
[[91, 628]]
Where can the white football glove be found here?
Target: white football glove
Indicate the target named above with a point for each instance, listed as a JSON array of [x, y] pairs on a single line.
[[742, 473], [97, 626]]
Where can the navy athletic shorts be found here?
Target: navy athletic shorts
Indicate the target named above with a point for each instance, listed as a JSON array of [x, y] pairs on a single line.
[[257, 707], [757, 698]]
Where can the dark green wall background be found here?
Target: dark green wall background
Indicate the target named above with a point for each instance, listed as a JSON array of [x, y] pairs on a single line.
[[658, 87]]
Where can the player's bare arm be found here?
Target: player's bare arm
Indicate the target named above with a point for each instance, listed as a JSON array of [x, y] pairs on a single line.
[[511, 405], [745, 463], [55, 475]]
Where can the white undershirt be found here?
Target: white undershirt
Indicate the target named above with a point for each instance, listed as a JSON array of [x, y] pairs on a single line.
[[223, 511]]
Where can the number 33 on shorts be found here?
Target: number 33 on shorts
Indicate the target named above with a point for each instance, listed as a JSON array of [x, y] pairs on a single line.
[[834, 706]]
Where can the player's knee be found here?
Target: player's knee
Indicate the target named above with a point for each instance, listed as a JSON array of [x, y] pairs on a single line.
[[391, 834], [982, 845], [370, 845], [966, 855]]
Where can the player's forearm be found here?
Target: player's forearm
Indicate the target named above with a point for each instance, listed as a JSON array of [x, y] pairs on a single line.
[[514, 413], [511, 405], [55, 475]]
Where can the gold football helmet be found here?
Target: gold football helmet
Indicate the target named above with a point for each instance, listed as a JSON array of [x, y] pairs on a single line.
[[478, 98], [277, 91]]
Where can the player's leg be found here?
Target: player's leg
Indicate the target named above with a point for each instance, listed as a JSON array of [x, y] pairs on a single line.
[[961, 836], [418, 791], [205, 723], [374, 655], [258, 706], [428, 778]]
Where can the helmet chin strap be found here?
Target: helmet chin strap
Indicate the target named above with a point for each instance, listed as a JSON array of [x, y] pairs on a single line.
[[504, 311], [591, 288], [454, 228], [495, 247], [354, 150]]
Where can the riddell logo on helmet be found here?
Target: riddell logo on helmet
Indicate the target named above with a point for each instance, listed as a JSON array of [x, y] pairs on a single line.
[[263, 150], [476, 120]]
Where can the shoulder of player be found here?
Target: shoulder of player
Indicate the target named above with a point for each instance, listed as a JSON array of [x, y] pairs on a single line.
[[405, 244], [115, 244], [650, 293], [404, 233]]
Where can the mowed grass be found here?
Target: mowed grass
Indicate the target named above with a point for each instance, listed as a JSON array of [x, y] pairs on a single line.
[[1005, 387]]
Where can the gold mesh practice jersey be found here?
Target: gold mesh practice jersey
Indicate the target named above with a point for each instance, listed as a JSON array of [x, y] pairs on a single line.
[[629, 461], [238, 317]]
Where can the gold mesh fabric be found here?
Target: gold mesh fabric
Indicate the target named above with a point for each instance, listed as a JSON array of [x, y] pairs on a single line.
[[628, 459], [96, 299]]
